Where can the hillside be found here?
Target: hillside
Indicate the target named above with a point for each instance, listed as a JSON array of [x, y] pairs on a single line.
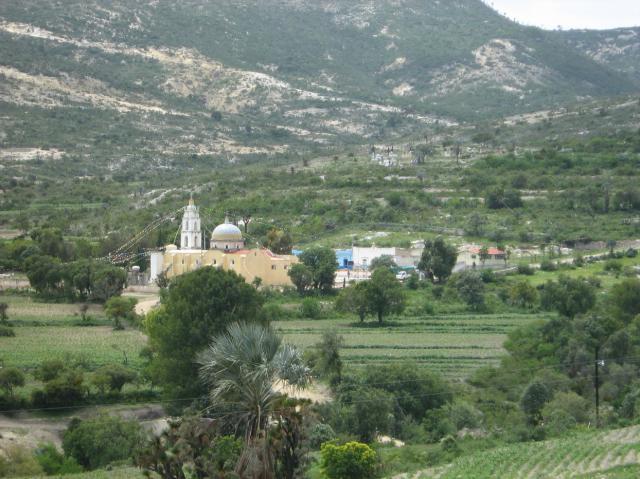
[[617, 49], [108, 79]]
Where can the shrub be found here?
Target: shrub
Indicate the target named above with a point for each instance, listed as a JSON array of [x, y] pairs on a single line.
[[49, 370], [449, 444], [6, 332], [273, 312], [631, 253], [548, 265], [353, 460], [18, 461], [577, 407], [319, 434], [525, 270], [413, 281], [523, 295], [98, 442], [113, 377], [310, 308], [67, 389], [464, 415], [612, 266], [11, 378], [53, 462]]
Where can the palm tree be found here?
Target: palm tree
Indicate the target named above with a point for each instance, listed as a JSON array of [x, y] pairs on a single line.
[[241, 369]]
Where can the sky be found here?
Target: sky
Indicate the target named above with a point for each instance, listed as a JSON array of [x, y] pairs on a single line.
[[593, 14]]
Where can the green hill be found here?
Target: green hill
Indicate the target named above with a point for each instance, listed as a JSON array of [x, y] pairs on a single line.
[[227, 78]]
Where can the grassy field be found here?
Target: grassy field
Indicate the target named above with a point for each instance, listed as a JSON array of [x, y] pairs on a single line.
[[56, 331], [454, 345], [586, 455]]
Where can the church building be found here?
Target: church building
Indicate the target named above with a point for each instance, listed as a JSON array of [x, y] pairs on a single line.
[[227, 251]]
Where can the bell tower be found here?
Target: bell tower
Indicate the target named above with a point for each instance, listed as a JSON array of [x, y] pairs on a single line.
[[191, 231]]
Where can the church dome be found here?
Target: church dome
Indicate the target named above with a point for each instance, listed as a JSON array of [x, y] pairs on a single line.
[[226, 232]]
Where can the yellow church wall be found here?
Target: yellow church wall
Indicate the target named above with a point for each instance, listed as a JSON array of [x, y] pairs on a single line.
[[250, 264]]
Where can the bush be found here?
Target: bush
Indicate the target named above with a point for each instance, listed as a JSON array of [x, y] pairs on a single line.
[[273, 312], [6, 332], [18, 461], [319, 434], [53, 462], [631, 253], [612, 266], [113, 377], [310, 308], [525, 270], [449, 445], [570, 404], [523, 295], [10, 378], [65, 390], [464, 415], [98, 442], [548, 265], [353, 460], [49, 370]]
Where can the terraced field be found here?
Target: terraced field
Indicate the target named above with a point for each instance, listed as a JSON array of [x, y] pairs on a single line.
[[455, 345], [587, 455]]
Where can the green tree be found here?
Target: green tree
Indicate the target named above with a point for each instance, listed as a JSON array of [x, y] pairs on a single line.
[[354, 300], [278, 241], [328, 362], [382, 262], [301, 277], [118, 308], [198, 306], [470, 288], [322, 264], [534, 398], [351, 461], [11, 378], [240, 369], [624, 300], [107, 281], [523, 295], [98, 442], [385, 294], [568, 296], [113, 377], [438, 260]]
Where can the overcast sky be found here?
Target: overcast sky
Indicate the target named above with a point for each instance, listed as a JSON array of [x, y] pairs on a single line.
[[598, 14]]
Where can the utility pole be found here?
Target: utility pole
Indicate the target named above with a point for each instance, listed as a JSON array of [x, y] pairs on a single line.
[[597, 385]]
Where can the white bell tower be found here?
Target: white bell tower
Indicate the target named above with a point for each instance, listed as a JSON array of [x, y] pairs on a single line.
[[191, 232]]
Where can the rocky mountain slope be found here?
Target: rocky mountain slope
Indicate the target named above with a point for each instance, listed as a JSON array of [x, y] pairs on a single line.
[[617, 49], [246, 77]]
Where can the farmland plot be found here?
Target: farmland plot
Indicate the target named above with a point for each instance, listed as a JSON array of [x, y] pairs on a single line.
[[584, 455], [454, 345]]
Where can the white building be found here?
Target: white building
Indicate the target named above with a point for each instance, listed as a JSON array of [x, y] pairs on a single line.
[[472, 257], [362, 257]]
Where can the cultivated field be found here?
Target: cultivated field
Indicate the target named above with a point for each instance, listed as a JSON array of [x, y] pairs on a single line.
[[454, 345], [56, 331], [591, 455]]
